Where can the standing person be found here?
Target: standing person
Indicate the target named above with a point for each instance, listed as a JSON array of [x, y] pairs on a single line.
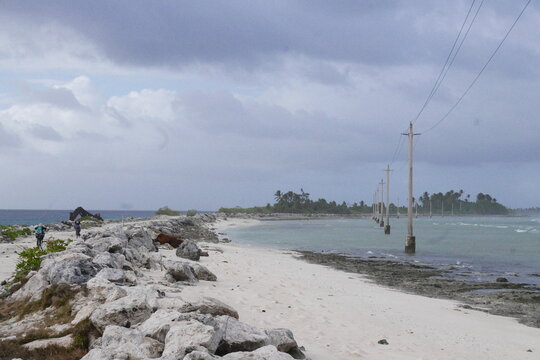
[[40, 234], [77, 227]]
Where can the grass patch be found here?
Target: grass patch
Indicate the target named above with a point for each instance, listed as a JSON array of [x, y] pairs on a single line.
[[12, 232], [191, 212], [83, 332], [10, 350]]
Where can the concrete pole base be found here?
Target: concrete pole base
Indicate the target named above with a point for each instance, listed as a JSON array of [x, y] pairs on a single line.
[[381, 224], [387, 230], [410, 244]]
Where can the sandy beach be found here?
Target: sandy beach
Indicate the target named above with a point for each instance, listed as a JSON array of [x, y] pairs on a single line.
[[338, 315]]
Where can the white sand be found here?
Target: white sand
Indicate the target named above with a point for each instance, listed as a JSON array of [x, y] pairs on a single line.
[[338, 316]]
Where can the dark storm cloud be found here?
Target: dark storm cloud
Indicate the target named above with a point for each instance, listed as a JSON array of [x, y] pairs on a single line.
[[247, 34]]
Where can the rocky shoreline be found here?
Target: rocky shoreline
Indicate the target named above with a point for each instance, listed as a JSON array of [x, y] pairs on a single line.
[[520, 301], [116, 293]]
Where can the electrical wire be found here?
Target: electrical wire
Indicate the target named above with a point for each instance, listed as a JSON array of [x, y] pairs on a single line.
[[440, 77], [481, 70]]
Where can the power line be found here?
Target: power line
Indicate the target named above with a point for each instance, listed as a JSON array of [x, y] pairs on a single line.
[[459, 48], [481, 71], [440, 77]]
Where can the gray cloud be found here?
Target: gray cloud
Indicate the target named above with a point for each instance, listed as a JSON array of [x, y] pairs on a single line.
[[45, 133], [175, 34]]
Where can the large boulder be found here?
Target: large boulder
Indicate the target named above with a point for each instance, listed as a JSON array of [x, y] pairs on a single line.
[[211, 306], [98, 354], [127, 311], [238, 336], [188, 336], [179, 271], [69, 268], [111, 243], [148, 293], [117, 276], [202, 273], [111, 260], [282, 339], [158, 325], [140, 237], [33, 288], [189, 250], [268, 352], [200, 355], [123, 343]]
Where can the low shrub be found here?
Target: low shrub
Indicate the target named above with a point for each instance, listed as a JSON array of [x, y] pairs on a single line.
[[191, 212], [12, 232], [30, 259], [165, 210]]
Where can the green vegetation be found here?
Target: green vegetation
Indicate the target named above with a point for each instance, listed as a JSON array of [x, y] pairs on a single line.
[[191, 212], [165, 210], [12, 232], [300, 203], [30, 259], [455, 202], [89, 218]]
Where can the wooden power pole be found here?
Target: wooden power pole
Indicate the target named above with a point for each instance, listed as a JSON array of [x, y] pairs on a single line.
[[387, 226], [381, 222], [410, 240]]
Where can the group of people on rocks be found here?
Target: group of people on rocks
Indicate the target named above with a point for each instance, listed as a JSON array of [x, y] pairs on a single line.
[[40, 230]]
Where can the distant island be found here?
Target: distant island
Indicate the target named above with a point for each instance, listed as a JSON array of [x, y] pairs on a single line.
[[451, 202]]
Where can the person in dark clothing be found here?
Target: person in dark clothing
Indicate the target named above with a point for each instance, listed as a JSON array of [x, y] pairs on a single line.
[[77, 227], [39, 231]]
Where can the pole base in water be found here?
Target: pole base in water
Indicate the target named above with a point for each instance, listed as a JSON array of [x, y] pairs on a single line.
[[381, 224], [387, 230], [410, 244]]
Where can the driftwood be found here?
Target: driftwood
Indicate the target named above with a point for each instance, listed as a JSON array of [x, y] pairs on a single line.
[[173, 240]]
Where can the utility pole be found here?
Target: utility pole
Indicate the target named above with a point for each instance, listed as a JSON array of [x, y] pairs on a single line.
[[381, 223], [430, 212], [387, 226], [442, 208], [416, 208], [377, 207], [410, 240], [397, 213]]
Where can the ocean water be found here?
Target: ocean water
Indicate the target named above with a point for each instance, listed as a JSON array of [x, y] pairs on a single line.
[[32, 217], [471, 248]]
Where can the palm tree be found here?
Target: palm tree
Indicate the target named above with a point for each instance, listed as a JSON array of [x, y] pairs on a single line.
[[278, 195]]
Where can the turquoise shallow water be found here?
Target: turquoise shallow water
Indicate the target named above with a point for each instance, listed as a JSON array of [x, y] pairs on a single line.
[[475, 248]]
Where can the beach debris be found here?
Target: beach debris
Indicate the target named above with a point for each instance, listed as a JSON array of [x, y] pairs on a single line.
[[173, 240], [382, 342], [189, 250], [501, 280]]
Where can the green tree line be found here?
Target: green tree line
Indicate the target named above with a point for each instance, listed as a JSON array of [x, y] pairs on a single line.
[[451, 201]]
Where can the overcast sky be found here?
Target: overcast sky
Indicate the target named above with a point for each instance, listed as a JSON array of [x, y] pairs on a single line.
[[201, 104]]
